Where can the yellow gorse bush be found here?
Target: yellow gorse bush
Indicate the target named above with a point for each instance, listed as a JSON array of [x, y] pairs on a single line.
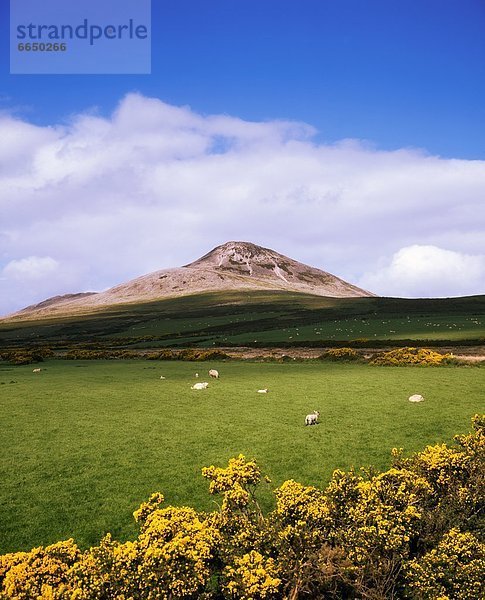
[[443, 466], [415, 531], [40, 573], [177, 546], [340, 354], [410, 356], [454, 570]]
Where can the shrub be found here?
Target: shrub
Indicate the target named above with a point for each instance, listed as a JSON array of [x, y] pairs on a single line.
[[155, 356], [195, 354], [455, 475], [79, 354], [252, 576], [454, 570], [40, 573], [409, 356], [340, 354], [27, 355], [167, 355], [87, 354], [23, 357]]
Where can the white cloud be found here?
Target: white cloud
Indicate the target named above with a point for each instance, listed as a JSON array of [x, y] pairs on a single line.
[[415, 271], [30, 268], [34, 278], [156, 186]]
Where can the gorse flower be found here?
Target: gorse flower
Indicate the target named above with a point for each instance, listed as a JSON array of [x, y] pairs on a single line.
[[252, 577]]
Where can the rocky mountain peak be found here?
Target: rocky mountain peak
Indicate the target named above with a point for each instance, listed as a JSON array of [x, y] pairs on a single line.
[[250, 264], [235, 253]]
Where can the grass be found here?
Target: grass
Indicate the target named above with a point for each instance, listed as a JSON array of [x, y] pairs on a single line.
[[84, 443], [218, 319]]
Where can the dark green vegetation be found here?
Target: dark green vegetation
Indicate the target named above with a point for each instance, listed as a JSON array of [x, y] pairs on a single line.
[[84, 443], [262, 319]]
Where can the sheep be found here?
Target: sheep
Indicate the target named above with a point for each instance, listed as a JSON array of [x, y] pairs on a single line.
[[416, 398], [196, 375], [36, 371], [213, 373], [263, 391], [162, 377], [312, 418], [200, 386]]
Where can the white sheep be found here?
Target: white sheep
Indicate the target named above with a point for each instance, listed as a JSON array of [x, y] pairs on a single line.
[[196, 375], [263, 391], [312, 418], [36, 370], [200, 386], [213, 373], [162, 377], [416, 398]]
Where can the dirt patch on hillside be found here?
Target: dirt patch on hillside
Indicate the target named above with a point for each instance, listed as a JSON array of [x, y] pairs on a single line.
[[470, 358]]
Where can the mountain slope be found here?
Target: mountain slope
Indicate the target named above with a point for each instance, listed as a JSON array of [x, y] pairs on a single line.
[[231, 266], [258, 318]]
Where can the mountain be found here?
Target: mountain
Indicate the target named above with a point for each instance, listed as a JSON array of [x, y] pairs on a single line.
[[54, 301], [231, 266]]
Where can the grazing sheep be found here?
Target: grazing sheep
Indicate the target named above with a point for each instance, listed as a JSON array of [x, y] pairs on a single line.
[[200, 386], [36, 371], [312, 418], [416, 398], [263, 391], [213, 373], [162, 377]]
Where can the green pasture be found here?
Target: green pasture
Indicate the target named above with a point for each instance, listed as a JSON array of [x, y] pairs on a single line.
[[83, 443]]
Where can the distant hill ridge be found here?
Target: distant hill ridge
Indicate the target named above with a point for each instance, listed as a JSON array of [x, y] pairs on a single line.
[[231, 266]]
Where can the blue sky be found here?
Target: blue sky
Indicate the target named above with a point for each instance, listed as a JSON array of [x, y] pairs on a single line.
[[397, 73], [346, 134]]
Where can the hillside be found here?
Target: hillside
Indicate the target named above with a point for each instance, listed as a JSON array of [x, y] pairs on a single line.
[[229, 267], [259, 318]]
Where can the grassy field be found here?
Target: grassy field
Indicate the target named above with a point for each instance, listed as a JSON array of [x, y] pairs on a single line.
[[218, 319], [84, 443]]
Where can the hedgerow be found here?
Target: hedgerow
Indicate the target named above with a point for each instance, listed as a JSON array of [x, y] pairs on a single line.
[[415, 531], [189, 354], [26, 356]]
